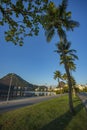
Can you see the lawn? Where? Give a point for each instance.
(49, 115)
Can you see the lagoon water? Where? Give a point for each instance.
(39, 93)
(30, 94)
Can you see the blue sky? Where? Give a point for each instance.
(36, 61)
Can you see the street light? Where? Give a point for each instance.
(9, 88)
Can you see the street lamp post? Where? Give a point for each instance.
(9, 89)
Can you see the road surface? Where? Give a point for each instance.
(15, 104)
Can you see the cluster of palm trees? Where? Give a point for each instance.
(63, 77)
(58, 20)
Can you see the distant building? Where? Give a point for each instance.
(81, 87)
(14, 91)
(56, 89)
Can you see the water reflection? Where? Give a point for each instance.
(39, 93)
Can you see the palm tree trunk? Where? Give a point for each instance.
(69, 84)
(70, 89)
(58, 81)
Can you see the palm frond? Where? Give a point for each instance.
(67, 45)
(63, 7)
(57, 74)
(57, 51)
(74, 56)
(49, 34)
(61, 62)
(71, 51)
(68, 14)
(62, 34)
(64, 4)
(70, 24)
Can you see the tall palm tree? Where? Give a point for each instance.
(67, 56)
(72, 67)
(58, 19)
(57, 75)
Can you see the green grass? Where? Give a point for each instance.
(48, 115)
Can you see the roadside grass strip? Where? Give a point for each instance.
(48, 115)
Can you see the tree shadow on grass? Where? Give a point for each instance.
(61, 122)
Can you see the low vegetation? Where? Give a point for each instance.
(48, 115)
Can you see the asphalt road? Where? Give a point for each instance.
(15, 104)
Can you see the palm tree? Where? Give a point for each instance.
(57, 19)
(67, 56)
(72, 67)
(57, 75)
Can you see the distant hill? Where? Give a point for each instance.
(18, 88)
(16, 81)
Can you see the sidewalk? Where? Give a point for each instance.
(83, 98)
(19, 100)
(27, 99)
